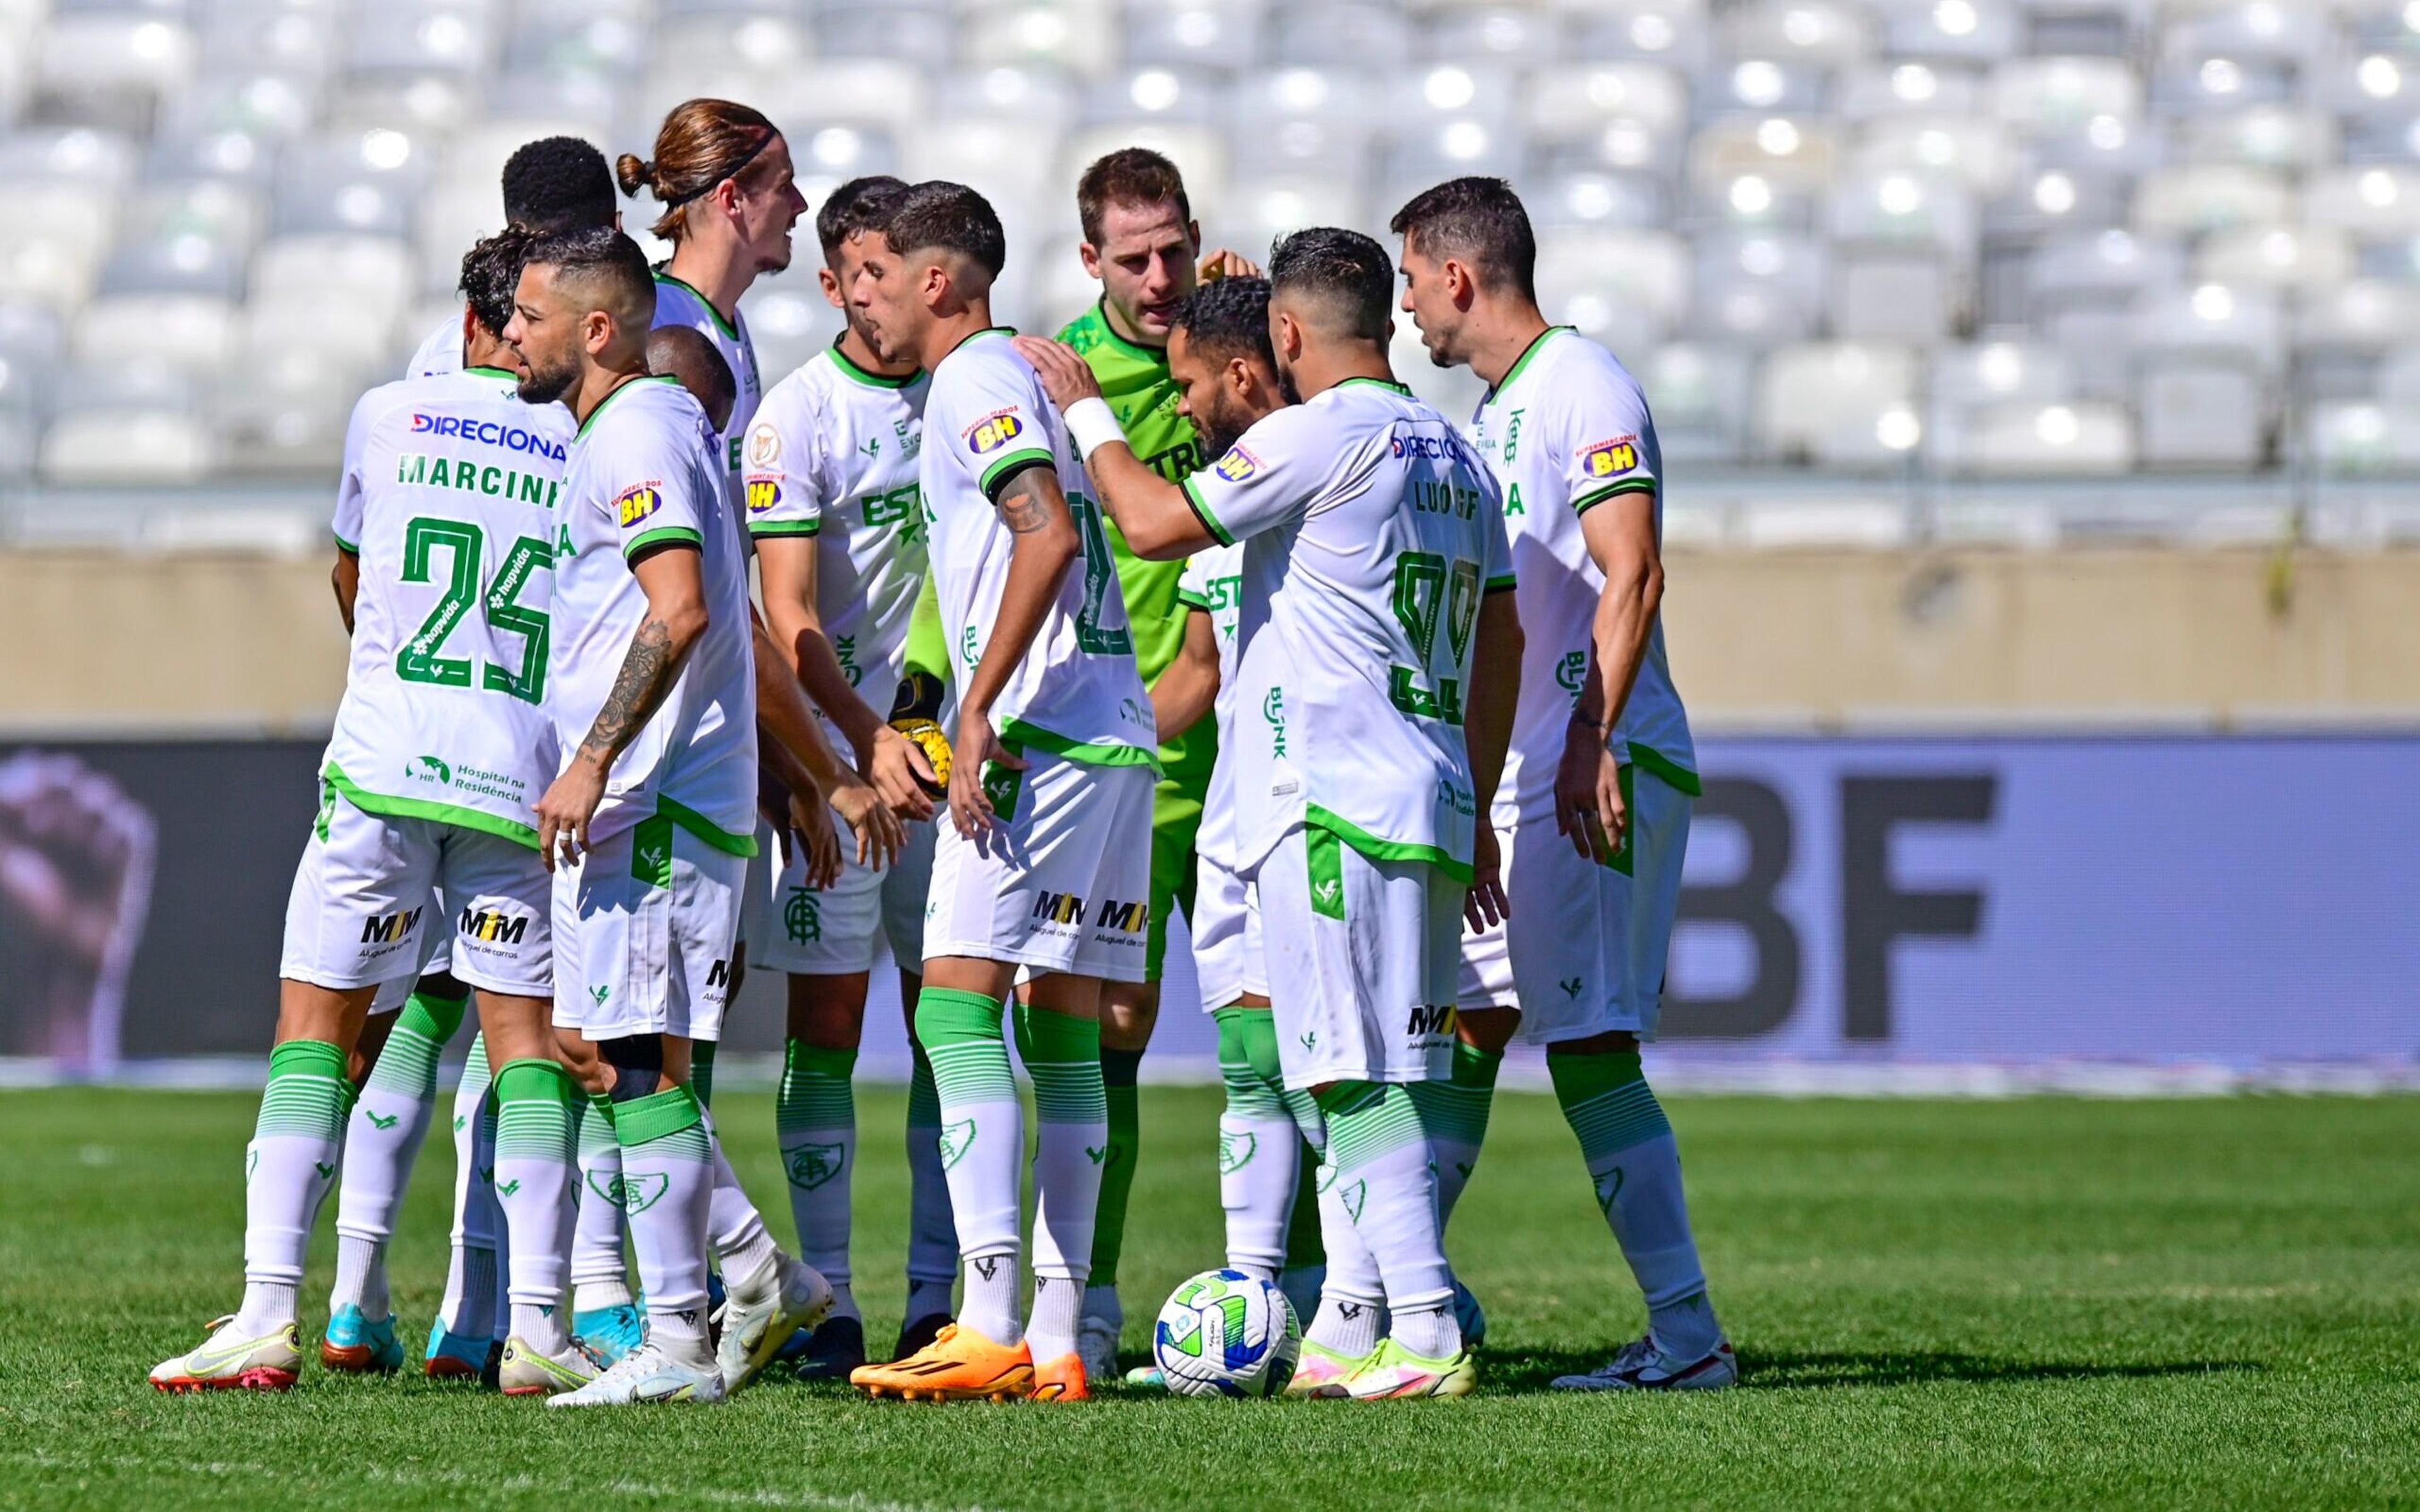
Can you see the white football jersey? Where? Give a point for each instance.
(1371, 533)
(678, 304)
(645, 472)
(1566, 430)
(448, 496)
(833, 454)
(1077, 692)
(1213, 583)
(440, 351)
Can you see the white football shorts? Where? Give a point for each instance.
(836, 931)
(1584, 951)
(1361, 955)
(1226, 936)
(644, 926)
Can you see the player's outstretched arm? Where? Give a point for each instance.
(793, 804)
(782, 711)
(1620, 535)
(1043, 546)
(1152, 514)
(673, 577)
(1487, 731)
(1189, 687)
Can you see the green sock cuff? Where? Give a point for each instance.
(946, 1017)
(923, 1094)
(601, 1103)
(802, 1059)
(1474, 1067)
(657, 1116)
(1049, 1036)
(1121, 1068)
(306, 1058)
(432, 1017)
(1577, 1078)
(534, 1079)
(1347, 1098)
(1257, 1029)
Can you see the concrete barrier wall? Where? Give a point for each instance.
(112, 643)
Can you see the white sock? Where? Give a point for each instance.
(749, 1258)
(600, 1274)
(1353, 1299)
(290, 1168)
(361, 1276)
(814, 1117)
(932, 1232)
(1058, 1307)
(668, 1169)
(1650, 1219)
(1388, 1190)
(1256, 1187)
(989, 1304)
(983, 1151)
(532, 1182)
(382, 1139)
(540, 1328)
(1102, 1303)
(466, 1309)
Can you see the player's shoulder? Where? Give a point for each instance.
(982, 369)
(1574, 374)
(803, 392)
(1086, 331)
(648, 416)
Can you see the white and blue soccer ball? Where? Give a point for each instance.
(1225, 1334)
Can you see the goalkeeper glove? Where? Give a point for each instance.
(916, 713)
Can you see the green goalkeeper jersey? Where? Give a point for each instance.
(1135, 381)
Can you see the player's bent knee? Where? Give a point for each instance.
(1488, 1029)
(1611, 1043)
(828, 1011)
(637, 1064)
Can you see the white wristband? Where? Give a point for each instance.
(1093, 424)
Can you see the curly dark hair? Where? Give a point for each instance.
(1229, 317)
(1344, 271)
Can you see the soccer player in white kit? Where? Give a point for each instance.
(837, 518)
(1380, 658)
(429, 793)
(650, 821)
(1045, 866)
(1593, 815)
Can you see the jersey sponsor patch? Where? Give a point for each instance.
(994, 431)
(764, 495)
(1237, 465)
(764, 446)
(1611, 459)
(637, 502)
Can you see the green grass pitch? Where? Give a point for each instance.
(2042, 1302)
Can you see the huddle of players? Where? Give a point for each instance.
(1303, 577)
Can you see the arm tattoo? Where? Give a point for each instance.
(1023, 506)
(639, 690)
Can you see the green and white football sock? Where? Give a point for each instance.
(668, 1188)
(1351, 1296)
(1120, 1073)
(1454, 1111)
(1071, 1150)
(289, 1169)
(468, 1309)
(1257, 1141)
(382, 1140)
(1380, 1150)
(744, 1249)
(815, 1116)
(1636, 1166)
(534, 1168)
(982, 1150)
(932, 1232)
(600, 1272)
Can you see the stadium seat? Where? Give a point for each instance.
(453, 37)
(1358, 34)
(2044, 96)
(1671, 32)
(1198, 37)
(1966, 381)
(2085, 438)
(1765, 287)
(1699, 394)
(159, 448)
(2268, 136)
(1076, 36)
(2363, 437)
(192, 332)
(1822, 33)
(2372, 202)
(1627, 286)
(1264, 206)
(1962, 30)
(1826, 402)
(1627, 115)
(2308, 259)
(1889, 86)
(909, 31)
(789, 324)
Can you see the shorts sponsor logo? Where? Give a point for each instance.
(718, 974)
(1058, 907)
(1126, 918)
(1237, 465)
(764, 495)
(1611, 459)
(994, 431)
(489, 433)
(494, 928)
(764, 446)
(802, 917)
(428, 769)
(811, 1166)
(386, 929)
(638, 502)
(1437, 1019)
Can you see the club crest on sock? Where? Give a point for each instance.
(956, 1139)
(811, 1166)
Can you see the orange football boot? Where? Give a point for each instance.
(959, 1366)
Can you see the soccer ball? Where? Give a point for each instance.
(1224, 1333)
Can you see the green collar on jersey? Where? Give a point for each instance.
(483, 370)
(726, 326)
(618, 390)
(1521, 361)
(1134, 349)
(971, 335)
(878, 380)
(1381, 384)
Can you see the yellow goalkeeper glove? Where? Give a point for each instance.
(916, 713)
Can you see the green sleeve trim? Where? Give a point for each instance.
(786, 527)
(1586, 500)
(704, 828)
(1018, 733)
(1004, 467)
(668, 535)
(444, 814)
(1499, 585)
(347, 547)
(1672, 772)
(1385, 850)
(1193, 600)
(1202, 512)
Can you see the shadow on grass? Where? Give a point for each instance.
(1534, 1370)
